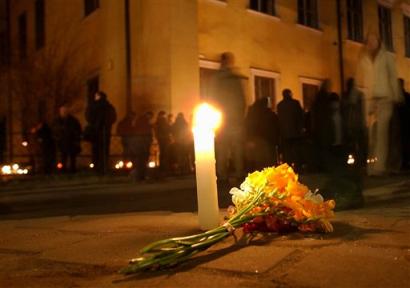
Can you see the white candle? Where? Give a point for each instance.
(206, 121)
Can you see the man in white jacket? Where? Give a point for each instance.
(377, 74)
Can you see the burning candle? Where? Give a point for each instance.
(206, 120)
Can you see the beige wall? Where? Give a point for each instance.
(279, 44)
(164, 55)
(168, 37)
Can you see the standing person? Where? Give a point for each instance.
(228, 96)
(321, 126)
(405, 126)
(336, 147)
(180, 133)
(2, 138)
(172, 149)
(162, 133)
(125, 131)
(376, 70)
(170, 119)
(44, 138)
(67, 133)
(101, 115)
(354, 122)
(141, 143)
(291, 123)
(262, 135)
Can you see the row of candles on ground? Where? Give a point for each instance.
(120, 165)
(128, 165)
(16, 169)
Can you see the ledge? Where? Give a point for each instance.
(264, 15)
(353, 42)
(217, 2)
(315, 30)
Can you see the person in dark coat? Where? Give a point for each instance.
(353, 116)
(262, 135)
(405, 126)
(141, 143)
(101, 115)
(125, 130)
(322, 125)
(67, 133)
(47, 148)
(291, 123)
(180, 134)
(163, 135)
(2, 138)
(227, 95)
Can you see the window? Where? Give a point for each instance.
(310, 87)
(93, 85)
(207, 70)
(22, 28)
(3, 48)
(307, 13)
(385, 27)
(90, 6)
(40, 23)
(263, 6)
(355, 20)
(309, 94)
(264, 84)
(406, 36)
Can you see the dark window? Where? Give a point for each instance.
(22, 28)
(406, 36)
(265, 87)
(3, 48)
(309, 95)
(385, 27)
(264, 6)
(355, 20)
(206, 75)
(93, 85)
(90, 6)
(40, 24)
(308, 13)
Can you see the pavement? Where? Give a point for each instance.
(48, 241)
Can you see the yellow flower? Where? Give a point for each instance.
(255, 180)
(297, 189)
(238, 197)
(281, 188)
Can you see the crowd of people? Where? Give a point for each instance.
(56, 145)
(173, 139)
(371, 124)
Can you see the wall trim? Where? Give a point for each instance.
(267, 74)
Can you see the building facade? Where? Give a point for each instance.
(160, 54)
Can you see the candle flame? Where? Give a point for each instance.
(206, 117)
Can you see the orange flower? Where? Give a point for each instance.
(296, 189)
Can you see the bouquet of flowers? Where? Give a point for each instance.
(271, 200)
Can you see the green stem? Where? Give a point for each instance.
(175, 250)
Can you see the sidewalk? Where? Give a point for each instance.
(369, 248)
(62, 186)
